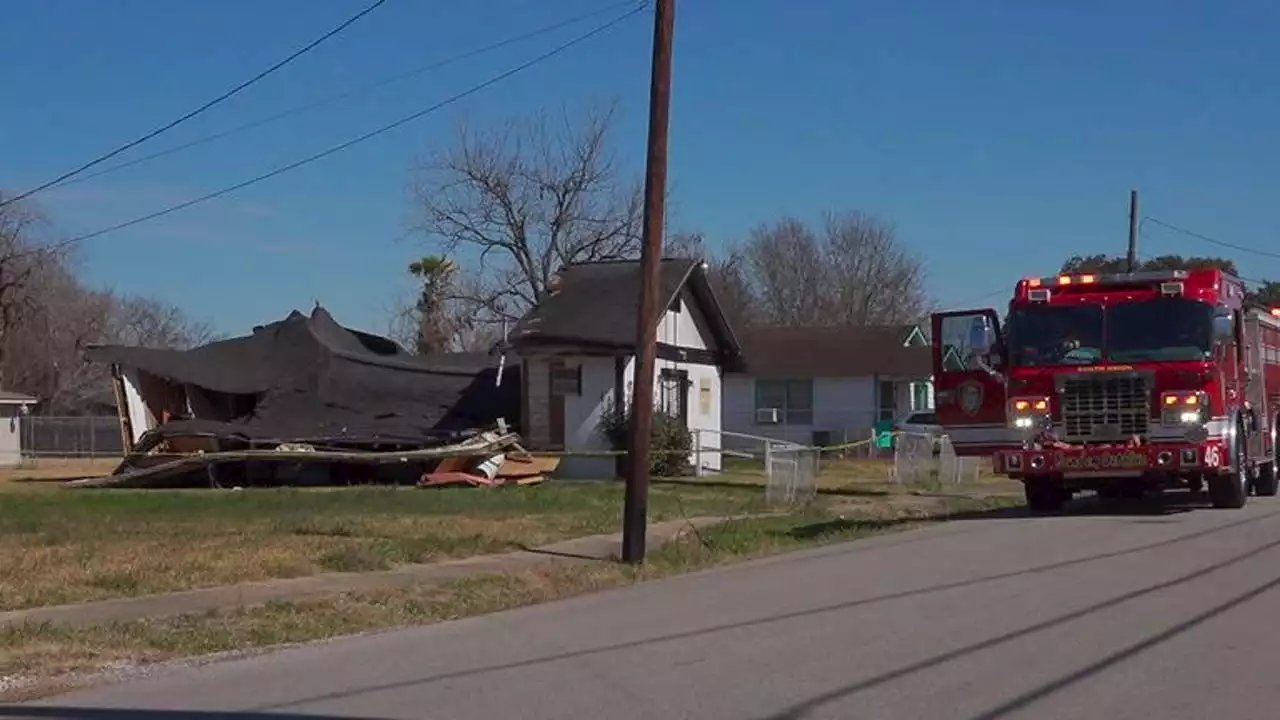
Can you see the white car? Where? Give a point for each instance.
(920, 422)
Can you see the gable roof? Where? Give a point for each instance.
(596, 304)
(812, 351)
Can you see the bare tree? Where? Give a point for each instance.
(44, 352)
(855, 272)
(726, 271)
(874, 279)
(786, 263)
(147, 322)
(516, 204)
(26, 249)
(48, 318)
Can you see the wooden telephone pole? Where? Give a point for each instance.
(635, 518)
(1132, 256)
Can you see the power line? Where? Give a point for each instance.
(1206, 238)
(352, 92)
(367, 136)
(224, 96)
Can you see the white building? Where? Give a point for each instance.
(577, 354)
(827, 385)
(13, 408)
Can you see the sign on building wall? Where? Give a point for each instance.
(704, 396)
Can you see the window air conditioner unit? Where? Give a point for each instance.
(767, 416)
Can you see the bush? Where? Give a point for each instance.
(669, 441)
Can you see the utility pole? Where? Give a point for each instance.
(635, 513)
(1133, 230)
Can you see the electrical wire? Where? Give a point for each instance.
(224, 96)
(362, 138)
(964, 305)
(353, 92)
(1206, 238)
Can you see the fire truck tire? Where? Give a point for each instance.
(1231, 490)
(1267, 483)
(1043, 497)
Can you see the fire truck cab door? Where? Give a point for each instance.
(969, 390)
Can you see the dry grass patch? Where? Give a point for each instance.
(78, 545)
(42, 652)
(866, 477)
(51, 471)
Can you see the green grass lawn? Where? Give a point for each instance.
(60, 545)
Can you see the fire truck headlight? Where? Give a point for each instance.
(1029, 413)
(1183, 408)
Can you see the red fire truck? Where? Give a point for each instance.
(1119, 384)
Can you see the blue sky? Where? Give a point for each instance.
(1000, 137)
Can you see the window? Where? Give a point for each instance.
(792, 399)
(1163, 329)
(673, 393)
(920, 395)
(1042, 335)
(888, 402)
(566, 380)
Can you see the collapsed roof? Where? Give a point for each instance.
(310, 380)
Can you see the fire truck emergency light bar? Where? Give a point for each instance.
(1170, 282)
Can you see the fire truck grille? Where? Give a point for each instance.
(1105, 409)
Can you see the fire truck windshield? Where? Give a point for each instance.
(1163, 329)
(1055, 335)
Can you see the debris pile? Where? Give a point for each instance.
(306, 401)
(487, 459)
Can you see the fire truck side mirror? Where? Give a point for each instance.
(1224, 329)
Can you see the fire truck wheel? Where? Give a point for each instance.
(1044, 497)
(1231, 490)
(1267, 482)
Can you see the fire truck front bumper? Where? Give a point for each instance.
(1209, 456)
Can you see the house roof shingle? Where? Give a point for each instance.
(597, 303)
(779, 351)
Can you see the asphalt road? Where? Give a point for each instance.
(1113, 616)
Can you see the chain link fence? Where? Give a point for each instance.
(929, 459)
(44, 436)
(793, 473)
(792, 476)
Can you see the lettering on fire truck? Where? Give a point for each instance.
(1110, 461)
